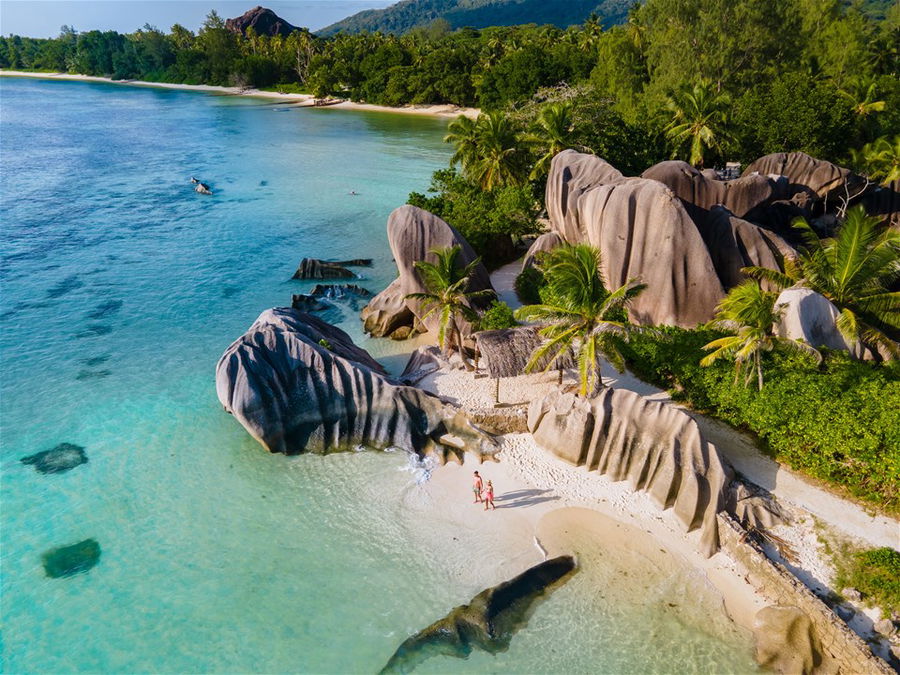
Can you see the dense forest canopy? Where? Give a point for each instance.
(409, 14)
(814, 75)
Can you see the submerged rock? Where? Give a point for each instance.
(64, 457)
(308, 303)
(657, 447)
(488, 622)
(298, 384)
(786, 641)
(67, 561)
(413, 233)
(340, 291)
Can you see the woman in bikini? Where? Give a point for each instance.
(489, 496)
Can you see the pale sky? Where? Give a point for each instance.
(43, 18)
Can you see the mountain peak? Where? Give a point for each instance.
(262, 20)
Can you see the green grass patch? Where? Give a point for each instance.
(876, 574)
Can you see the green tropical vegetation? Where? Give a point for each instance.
(750, 314)
(703, 82)
(497, 317)
(447, 295)
(699, 121)
(433, 15)
(880, 159)
(580, 315)
(838, 421)
(856, 270)
(876, 574)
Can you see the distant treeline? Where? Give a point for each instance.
(813, 75)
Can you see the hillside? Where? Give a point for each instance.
(408, 14)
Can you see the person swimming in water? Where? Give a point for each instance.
(476, 487)
(489, 496)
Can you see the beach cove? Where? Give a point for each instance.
(215, 556)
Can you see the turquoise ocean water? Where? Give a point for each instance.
(120, 289)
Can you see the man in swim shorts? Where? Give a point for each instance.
(476, 487)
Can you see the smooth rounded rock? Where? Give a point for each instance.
(810, 317)
(643, 232)
(413, 233)
(786, 641)
(298, 384)
(571, 175)
(655, 446)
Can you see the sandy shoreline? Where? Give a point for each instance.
(547, 491)
(298, 100)
(538, 492)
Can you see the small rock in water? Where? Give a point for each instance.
(63, 457)
(67, 561)
(308, 303)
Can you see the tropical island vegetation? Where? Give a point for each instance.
(672, 80)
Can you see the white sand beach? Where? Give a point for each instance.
(299, 100)
(540, 498)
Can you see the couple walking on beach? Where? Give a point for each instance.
(483, 494)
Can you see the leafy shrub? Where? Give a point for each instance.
(499, 315)
(528, 286)
(489, 221)
(839, 423)
(876, 573)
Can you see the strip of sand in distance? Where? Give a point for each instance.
(301, 100)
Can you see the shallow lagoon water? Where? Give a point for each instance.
(120, 289)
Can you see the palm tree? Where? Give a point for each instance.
(699, 120)
(863, 97)
(488, 149)
(581, 315)
(750, 313)
(500, 160)
(446, 292)
(463, 133)
(855, 271)
(590, 33)
(552, 134)
(880, 159)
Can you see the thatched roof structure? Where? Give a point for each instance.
(506, 352)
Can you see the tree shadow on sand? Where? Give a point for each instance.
(523, 498)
